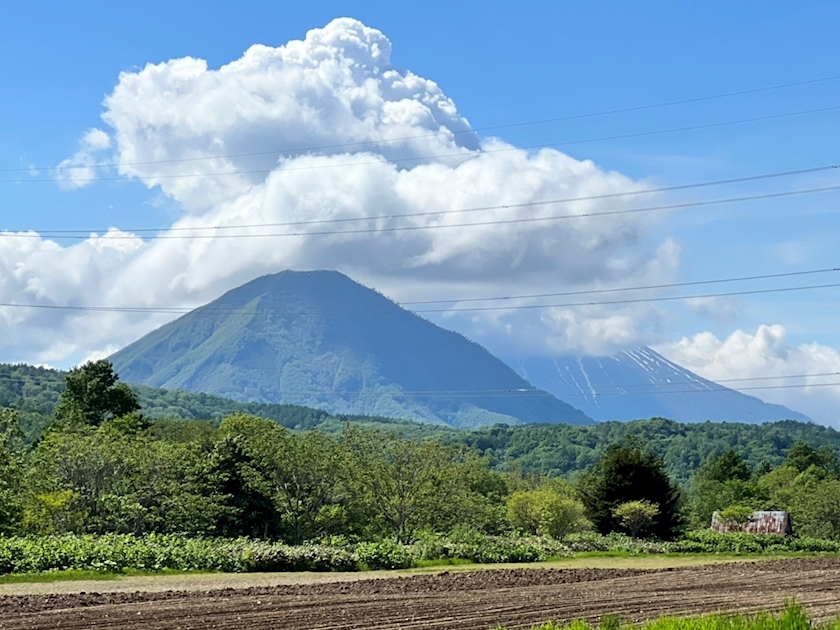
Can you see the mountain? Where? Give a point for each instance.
(321, 340)
(641, 383)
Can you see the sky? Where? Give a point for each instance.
(134, 139)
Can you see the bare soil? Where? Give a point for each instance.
(516, 598)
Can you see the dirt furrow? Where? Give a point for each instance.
(516, 598)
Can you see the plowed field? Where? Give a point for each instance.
(514, 598)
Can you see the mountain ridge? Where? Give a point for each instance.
(322, 340)
(640, 383)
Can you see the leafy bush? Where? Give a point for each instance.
(707, 541)
(32, 554)
(386, 554)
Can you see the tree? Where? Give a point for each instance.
(93, 394)
(546, 511)
(803, 456)
(11, 469)
(737, 515)
(727, 467)
(411, 484)
(627, 472)
(722, 480)
(636, 516)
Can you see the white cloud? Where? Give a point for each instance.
(766, 353)
(326, 129)
(80, 169)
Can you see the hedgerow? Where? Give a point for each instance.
(156, 552)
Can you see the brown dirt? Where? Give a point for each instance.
(515, 598)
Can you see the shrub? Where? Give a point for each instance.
(386, 554)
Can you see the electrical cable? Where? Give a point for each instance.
(414, 228)
(630, 193)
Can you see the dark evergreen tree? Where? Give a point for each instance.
(93, 394)
(727, 467)
(627, 472)
(802, 456)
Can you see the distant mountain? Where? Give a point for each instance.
(642, 383)
(321, 340)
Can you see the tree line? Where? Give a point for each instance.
(102, 466)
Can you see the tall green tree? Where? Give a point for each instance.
(93, 394)
(413, 484)
(628, 472)
(11, 470)
(722, 481)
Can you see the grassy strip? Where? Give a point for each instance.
(793, 617)
(76, 575)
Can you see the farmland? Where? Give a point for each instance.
(514, 598)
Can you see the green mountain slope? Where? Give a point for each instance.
(322, 340)
(547, 449)
(34, 392)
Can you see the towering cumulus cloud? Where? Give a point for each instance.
(321, 154)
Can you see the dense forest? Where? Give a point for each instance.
(103, 466)
(554, 450)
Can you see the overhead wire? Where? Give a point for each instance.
(393, 307)
(663, 388)
(526, 204)
(437, 226)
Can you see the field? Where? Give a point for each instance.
(515, 598)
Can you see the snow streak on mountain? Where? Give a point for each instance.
(641, 383)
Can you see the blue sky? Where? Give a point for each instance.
(544, 60)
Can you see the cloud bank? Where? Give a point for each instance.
(326, 130)
(766, 356)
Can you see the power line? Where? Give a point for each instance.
(526, 204)
(440, 226)
(445, 133)
(661, 388)
(467, 154)
(671, 285)
(393, 308)
(666, 298)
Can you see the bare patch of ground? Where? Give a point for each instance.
(517, 598)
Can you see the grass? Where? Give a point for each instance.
(75, 575)
(792, 618)
(603, 560)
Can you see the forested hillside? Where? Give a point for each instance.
(549, 449)
(34, 392)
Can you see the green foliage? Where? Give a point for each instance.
(551, 450)
(793, 617)
(803, 456)
(636, 516)
(625, 473)
(737, 514)
(93, 394)
(546, 511)
(707, 541)
(412, 484)
(11, 470)
(722, 481)
(386, 554)
(120, 552)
